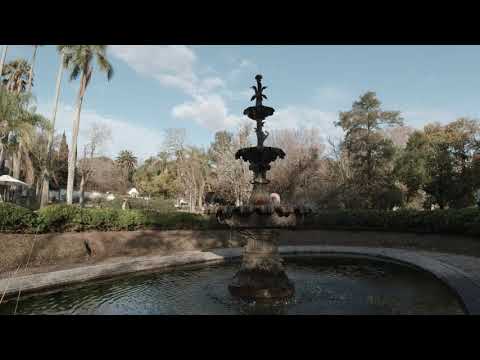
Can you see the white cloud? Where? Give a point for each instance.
(172, 65)
(158, 59)
(297, 117)
(144, 142)
(175, 66)
(243, 67)
(209, 111)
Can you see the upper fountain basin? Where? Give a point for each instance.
(258, 112)
(255, 154)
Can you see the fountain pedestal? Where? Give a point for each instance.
(262, 275)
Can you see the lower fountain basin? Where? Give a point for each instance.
(323, 285)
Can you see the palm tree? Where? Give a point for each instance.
(78, 59)
(127, 162)
(30, 75)
(16, 74)
(17, 131)
(46, 173)
(2, 59)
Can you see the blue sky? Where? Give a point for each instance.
(205, 88)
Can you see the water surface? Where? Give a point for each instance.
(322, 286)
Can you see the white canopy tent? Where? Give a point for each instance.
(7, 181)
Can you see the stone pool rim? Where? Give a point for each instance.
(462, 285)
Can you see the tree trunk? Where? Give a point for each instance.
(2, 60)
(72, 156)
(46, 172)
(30, 75)
(200, 196)
(38, 187)
(2, 159)
(16, 159)
(82, 191)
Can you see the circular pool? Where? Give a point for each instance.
(323, 285)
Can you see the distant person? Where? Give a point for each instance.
(275, 198)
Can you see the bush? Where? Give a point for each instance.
(154, 204)
(462, 221)
(179, 220)
(15, 218)
(56, 218)
(71, 217)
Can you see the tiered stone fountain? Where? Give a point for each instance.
(262, 275)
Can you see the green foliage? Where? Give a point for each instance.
(61, 164)
(127, 162)
(57, 217)
(441, 160)
(156, 204)
(180, 220)
(157, 176)
(64, 218)
(61, 218)
(14, 218)
(464, 221)
(371, 154)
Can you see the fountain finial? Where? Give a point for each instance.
(259, 96)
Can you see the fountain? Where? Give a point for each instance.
(349, 281)
(262, 276)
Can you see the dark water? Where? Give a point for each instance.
(323, 286)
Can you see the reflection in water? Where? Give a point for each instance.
(322, 286)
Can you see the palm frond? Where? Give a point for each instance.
(74, 72)
(105, 65)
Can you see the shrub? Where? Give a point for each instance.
(462, 221)
(15, 218)
(154, 204)
(177, 220)
(131, 220)
(57, 217)
(73, 218)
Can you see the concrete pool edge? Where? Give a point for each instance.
(463, 284)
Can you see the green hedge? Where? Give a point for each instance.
(59, 218)
(453, 221)
(16, 218)
(156, 204)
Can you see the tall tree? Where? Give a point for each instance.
(18, 121)
(2, 60)
(294, 176)
(127, 162)
(411, 165)
(16, 74)
(61, 163)
(46, 174)
(230, 179)
(32, 65)
(370, 152)
(98, 136)
(78, 59)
